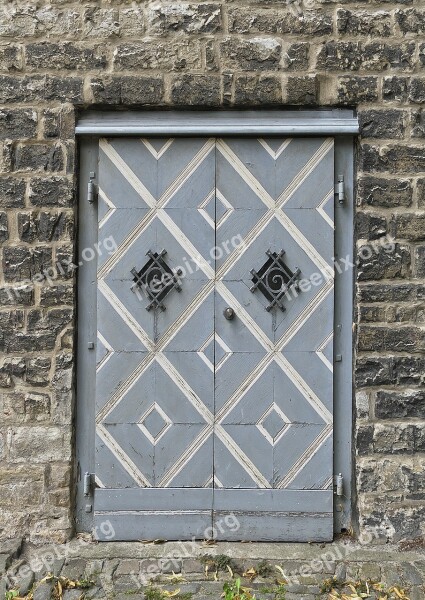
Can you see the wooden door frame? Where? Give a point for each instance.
(340, 123)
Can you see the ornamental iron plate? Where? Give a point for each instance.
(274, 279)
(156, 279)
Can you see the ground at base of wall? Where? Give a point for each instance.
(196, 570)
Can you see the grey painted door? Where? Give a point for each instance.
(214, 384)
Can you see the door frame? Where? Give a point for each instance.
(339, 123)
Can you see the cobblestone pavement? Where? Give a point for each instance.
(197, 570)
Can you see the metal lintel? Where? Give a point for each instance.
(219, 123)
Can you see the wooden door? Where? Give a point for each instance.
(214, 384)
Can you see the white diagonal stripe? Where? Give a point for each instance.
(306, 456)
(279, 151)
(122, 457)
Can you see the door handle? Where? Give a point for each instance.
(229, 313)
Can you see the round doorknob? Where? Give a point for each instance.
(229, 313)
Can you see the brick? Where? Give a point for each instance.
(58, 123)
(44, 226)
(355, 90)
(64, 56)
(4, 228)
(40, 444)
(11, 58)
(385, 193)
(164, 55)
(196, 90)
(37, 371)
(395, 88)
(370, 226)
(21, 263)
(254, 54)
(40, 88)
(364, 23)
(188, 18)
(39, 157)
(51, 191)
(142, 90)
(409, 226)
(374, 371)
(418, 123)
(375, 56)
(376, 262)
(400, 405)
(395, 339)
(417, 90)
(309, 23)
(101, 23)
(131, 21)
(12, 192)
(18, 124)
(296, 57)
(53, 295)
(420, 190)
(301, 90)
(411, 20)
(262, 90)
(392, 159)
(391, 292)
(389, 123)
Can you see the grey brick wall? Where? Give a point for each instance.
(59, 56)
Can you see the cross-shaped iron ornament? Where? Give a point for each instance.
(274, 279)
(156, 279)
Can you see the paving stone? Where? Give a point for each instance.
(74, 568)
(43, 591)
(25, 583)
(411, 574)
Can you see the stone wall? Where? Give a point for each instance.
(59, 56)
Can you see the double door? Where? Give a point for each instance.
(214, 377)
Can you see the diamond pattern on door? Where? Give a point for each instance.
(190, 400)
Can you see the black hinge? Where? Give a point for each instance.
(92, 188)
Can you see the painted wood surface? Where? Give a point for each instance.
(199, 413)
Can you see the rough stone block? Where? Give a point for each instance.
(254, 54)
(408, 226)
(258, 90)
(309, 23)
(392, 159)
(364, 23)
(411, 20)
(385, 193)
(12, 192)
(301, 90)
(21, 263)
(383, 123)
(400, 404)
(18, 124)
(39, 157)
(395, 88)
(51, 191)
(355, 90)
(64, 56)
(196, 90)
(163, 55)
(376, 262)
(188, 18)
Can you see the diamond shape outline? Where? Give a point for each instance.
(218, 196)
(214, 337)
(259, 424)
(168, 423)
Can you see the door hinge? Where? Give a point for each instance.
(339, 485)
(92, 188)
(340, 189)
(88, 484)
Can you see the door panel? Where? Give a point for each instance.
(198, 415)
(154, 391)
(274, 409)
